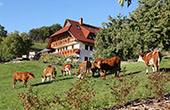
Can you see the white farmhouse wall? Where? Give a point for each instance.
(77, 46)
(69, 47)
(85, 53)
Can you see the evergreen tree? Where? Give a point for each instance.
(3, 33)
(150, 23)
(122, 2)
(114, 39)
(44, 32)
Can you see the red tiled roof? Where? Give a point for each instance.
(80, 34)
(64, 29)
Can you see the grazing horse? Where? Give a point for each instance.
(153, 59)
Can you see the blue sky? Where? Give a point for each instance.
(24, 15)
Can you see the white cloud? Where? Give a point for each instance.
(0, 3)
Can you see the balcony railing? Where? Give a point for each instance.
(69, 52)
(61, 42)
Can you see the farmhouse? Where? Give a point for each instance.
(75, 38)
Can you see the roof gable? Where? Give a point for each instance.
(79, 30)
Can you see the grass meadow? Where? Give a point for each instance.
(38, 46)
(9, 99)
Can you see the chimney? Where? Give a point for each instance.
(81, 21)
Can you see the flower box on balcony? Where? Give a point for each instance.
(64, 40)
(67, 39)
(71, 39)
(77, 51)
(56, 43)
(59, 42)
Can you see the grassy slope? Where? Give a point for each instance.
(38, 46)
(9, 98)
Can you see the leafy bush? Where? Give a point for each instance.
(14, 45)
(78, 97)
(53, 59)
(157, 84)
(123, 87)
(32, 101)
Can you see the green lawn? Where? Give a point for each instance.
(10, 100)
(38, 46)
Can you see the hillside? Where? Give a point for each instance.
(38, 47)
(103, 99)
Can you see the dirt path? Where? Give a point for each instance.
(145, 104)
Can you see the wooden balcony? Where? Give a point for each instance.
(69, 52)
(62, 42)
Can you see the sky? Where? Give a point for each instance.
(24, 15)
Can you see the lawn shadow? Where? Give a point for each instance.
(49, 82)
(43, 83)
(167, 57)
(96, 76)
(164, 69)
(110, 72)
(64, 79)
(137, 72)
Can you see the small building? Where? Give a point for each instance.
(75, 38)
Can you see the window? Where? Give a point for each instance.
(94, 37)
(78, 27)
(85, 58)
(86, 47)
(67, 24)
(91, 48)
(90, 37)
(72, 46)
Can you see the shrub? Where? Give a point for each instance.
(53, 59)
(157, 84)
(122, 88)
(78, 97)
(31, 100)
(60, 60)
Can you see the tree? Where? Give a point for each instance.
(44, 32)
(54, 28)
(33, 33)
(3, 33)
(147, 29)
(114, 39)
(27, 42)
(150, 23)
(14, 46)
(121, 2)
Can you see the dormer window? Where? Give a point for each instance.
(67, 24)
(90, 37)
(94, 37)
(78, 27)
